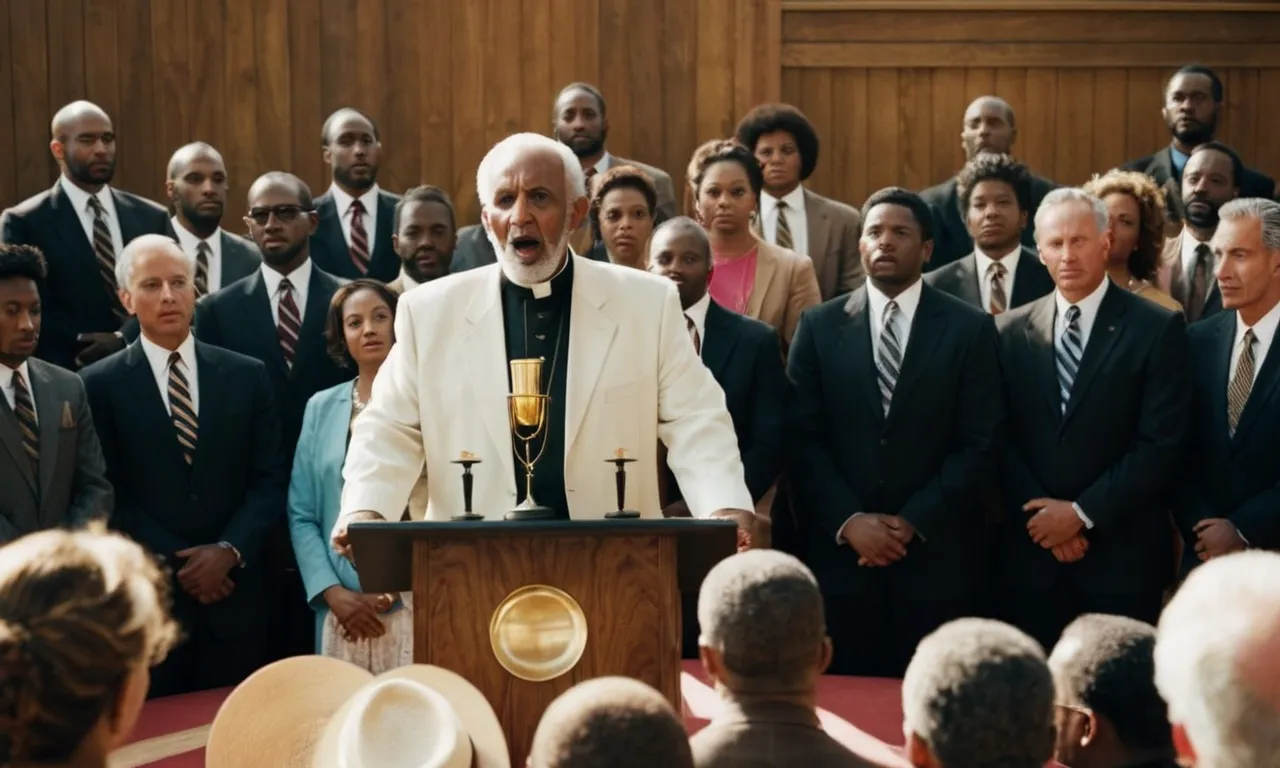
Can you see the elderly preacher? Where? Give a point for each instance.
(619, 366)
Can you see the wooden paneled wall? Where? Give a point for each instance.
(885, 82)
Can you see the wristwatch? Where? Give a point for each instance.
(234, 551)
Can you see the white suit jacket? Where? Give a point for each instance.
(633, 379)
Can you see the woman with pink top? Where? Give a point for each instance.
(749, 276)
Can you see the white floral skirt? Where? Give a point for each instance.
(393, 649)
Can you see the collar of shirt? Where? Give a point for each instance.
(189, 242)
(697, 312)
(407, 281)
(80, 199)
(907, 301)
(342, 201)
(1179, 160)
(1264, 331)
(603, 164)
(299, 278)
(1009, 260)
(1189, 245)
(794, 200)
(158, 359)
(1088, 311)
(6, 376)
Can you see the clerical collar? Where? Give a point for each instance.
(558, 286)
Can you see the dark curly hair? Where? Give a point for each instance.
(335, 342)
(724, 151)
(768, 118)
(907, 199)
(79, 613)
(988, 166)
(1144, 262)
(622, 177)
(23, 261)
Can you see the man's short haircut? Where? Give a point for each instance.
(979, 693)
(988, 166)
(1010, 117)
(768, 118)
(1267, 212)
(1073, 196)
(505, 152)
(588, 88)
(1218, 660)
(288, 179)
(1215, 82)
(340, 114)
(613, 721)
(1237, 165)
(23, 261)
(920, 210)
(129, 254)
(186, 153)
(683, 225)
(763, 612)
(1107, 664)
(424, 193)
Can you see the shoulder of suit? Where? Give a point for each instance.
(330, 281)
(961, 310)
(104, 369)
(324, 397)
(836, 206)
(150, 205)
(1140, 164)
(946, 271)
(938, 193)
(1019, 315)
(227, 359)
(621, 278)
(42, 199)
(782, 254)
(652, 170)
(1209, 326)
(53, 372)
(438, 293)
(1143, 308)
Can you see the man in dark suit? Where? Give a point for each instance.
(81, 225)
(192, 443)
(1096, 379)
(1001, 273)
(277, 315)
(473, 249)
(1232, 474)
(1192, 103)
(51, 468)
(989, 126)
(425, 235)
(353, 234)
(894, 418)
(197, 190)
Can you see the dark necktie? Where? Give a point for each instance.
(890, 363)
(24, 408)
(288, 322)
(1241, 383)
(202, 268)
(359, 238)
(104, 250)
(1199, 283)
(1069, 349)
(783, 238)
(999, 301)
(693, 334)
(182, 409)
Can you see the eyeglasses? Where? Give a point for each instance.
(283, 213)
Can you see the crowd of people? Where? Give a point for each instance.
(1043, 406)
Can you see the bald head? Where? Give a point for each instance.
(187, 153)
(613, 721)
(66, 120)
(277, 181)
(989, 126)
(84, 144)
(143, 248)
(684, 228)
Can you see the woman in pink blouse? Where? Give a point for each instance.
(749, 276)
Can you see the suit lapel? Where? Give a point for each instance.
(49, 406)
(148, 404)
(209, 418)
(11, 436)
(956, 225)
(591, 333)
(766, 266)
(127, 212)
(382, 252)
(483, 351)
(1102, 339)
(819, 232)
(1032, 281)
(922, 339)
(1220, 374)
(1039, 331)
(718, 340)
(856, 341)
(1263, 386)
(329, 232)
(257, 302)
(967, 288)
(311, 334)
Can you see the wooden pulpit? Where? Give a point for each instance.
(524, 610)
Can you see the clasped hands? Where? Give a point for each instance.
(357, 613)
(1055, 526)
(879, 540)
(1215, 537)
(204, 576)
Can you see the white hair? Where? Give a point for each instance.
(1069, 195)
(124, 262)
(1267, 212)
(500, 157)
(1217, 660)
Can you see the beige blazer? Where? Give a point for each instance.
(785, 286)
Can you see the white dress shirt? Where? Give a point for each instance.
(907, 301)
(1010, 261)
(603, 164)
(1088, 307)
(299, 278)
(1263, 331)
(158, 359)
(697, 312)
(1189, 245)
(407, 281)
(6, 385)
(191, 245)
(343, 203)
(80, 201)
(797, 218)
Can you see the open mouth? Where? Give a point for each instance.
(526, 247)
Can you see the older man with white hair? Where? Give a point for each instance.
(1218, 663)
(618, 365)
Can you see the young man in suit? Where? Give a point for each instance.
(81, 225)
(1096, 379)
(792, 216)
(894, 418)
(353, 233)
(197, 190)
(192, 442)
(989, 126)
(1001, 273)
(425, 236)
(1193, 100)
(1231, 497)
(51, 467)
(277, 316)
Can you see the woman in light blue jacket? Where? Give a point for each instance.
(373, 631)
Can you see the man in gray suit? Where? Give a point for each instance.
(51, 466)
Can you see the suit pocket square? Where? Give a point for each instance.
(68, 420)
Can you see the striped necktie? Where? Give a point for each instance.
(693, 334)
(999, 301)
(202, 268)
(359, 238)
(1241, 382)
(104, 251)
(182, 409)
(783, 238)
(1067, 353)
(890, 363)
(25, 410)
(288, 322)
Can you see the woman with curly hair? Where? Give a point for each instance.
(1136, 224)
(623, 213)
(83, 617)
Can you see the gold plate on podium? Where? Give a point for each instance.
(538, 633)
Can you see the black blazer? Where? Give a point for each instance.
(239, 318)
(329, 248)
(76, 299)
(473, 249)
(1159, 166)
(234, 491)
(1114, 450)
(745, 357)
(240, 256)
(1233, 477)
(960, 279)
(927, 461)
(951, 238)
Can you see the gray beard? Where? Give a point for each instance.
(528, 275)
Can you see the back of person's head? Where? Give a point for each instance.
(1104, 671)
(1217, 662)
(610, 721)
(763, 630)
(978, 694)
(83, 615)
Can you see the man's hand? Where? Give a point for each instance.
(876, 538)
(339, 539)
(357, 613)
(677, 509)
(1054, 521)
(746, 525)
(204, 576)
(1216, 537)
(1071, 551)
(98, 346)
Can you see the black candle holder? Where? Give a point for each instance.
(468, 481)
(621, 463)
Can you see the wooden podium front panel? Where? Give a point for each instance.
(626, 586)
